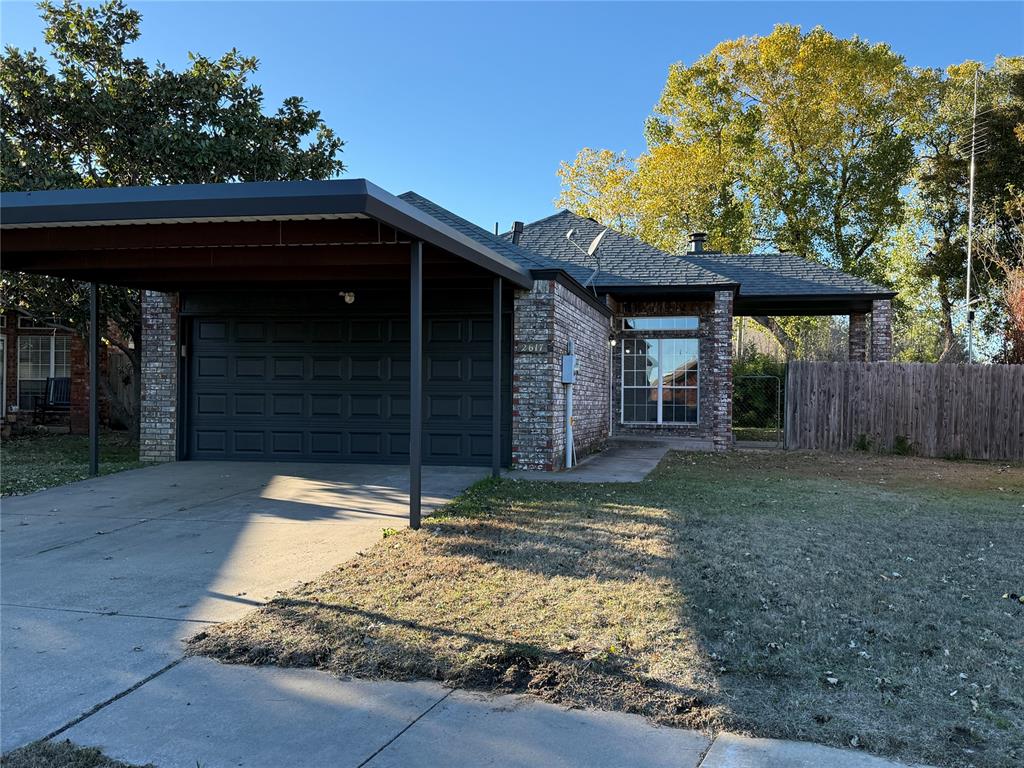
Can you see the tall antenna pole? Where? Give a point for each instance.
(970, 224)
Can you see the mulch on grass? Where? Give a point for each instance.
(854, 600)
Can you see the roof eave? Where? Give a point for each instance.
(205, 202)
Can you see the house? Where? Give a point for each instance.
(33, 353)
(334, 321)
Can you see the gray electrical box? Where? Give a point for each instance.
(568, 369)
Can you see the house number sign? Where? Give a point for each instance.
(532, 347)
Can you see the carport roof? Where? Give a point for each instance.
(256, 201)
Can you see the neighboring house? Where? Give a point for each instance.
(35, 352)
(277, 321)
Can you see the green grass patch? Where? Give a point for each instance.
(33, 462)
(853, 600)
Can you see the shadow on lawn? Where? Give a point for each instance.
(723, 592)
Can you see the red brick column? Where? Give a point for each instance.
(858, 337)
(79, 386)
(79, 417)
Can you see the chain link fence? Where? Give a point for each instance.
(757, 409)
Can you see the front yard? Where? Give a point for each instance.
(854, 600)
(32, 462)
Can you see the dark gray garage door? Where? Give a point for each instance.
(337, 390)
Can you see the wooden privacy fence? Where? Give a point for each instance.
(956, 411)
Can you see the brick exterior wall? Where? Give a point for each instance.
(714, 355)
(546, 317)
(77, 419)
(881, 331)
(858, 337)
(721, 373)
(159, 422)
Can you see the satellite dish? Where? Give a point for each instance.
(597, 241)
(569, 234)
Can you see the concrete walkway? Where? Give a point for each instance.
(624, 460)
(102, 580)
(206, 713)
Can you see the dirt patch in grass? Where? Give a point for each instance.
(31, 463)
(63, 754)
(851, 600)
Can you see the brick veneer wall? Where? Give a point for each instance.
(159, 422)
(858, 337)
(714, 354)
(546, 317)
(721, 375)
(79, 355)
(78, 417)
(881, 331)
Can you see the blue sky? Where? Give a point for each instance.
(475, 104)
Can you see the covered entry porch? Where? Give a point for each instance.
(326, 321)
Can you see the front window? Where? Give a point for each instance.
(676, 323)
(40, 358)
(659, 381)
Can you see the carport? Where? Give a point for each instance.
(317, 287)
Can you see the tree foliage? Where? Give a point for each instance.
(942, 180)
(95, 116)
(836, 150)
(795, 141)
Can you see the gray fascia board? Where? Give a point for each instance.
(408, 218)
(218, 201)
(185, 201)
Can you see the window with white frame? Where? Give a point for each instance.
(40, 358)
(30, 322)
(659, 381)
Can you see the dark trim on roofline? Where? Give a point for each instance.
(204, 202)
(808, 304)
(562, 277)
(668, 291)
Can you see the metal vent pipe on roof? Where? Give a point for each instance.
(697, 242)
(517, 232)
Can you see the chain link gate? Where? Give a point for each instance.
(757, 410)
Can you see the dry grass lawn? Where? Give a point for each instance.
(62, 754)
(852, 600)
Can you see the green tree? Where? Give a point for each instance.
(942, 180)
(98, 117)
(797, 141)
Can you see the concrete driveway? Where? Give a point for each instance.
(102, 580)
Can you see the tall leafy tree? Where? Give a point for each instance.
(797, 141)
(942, 181)
(95, 116)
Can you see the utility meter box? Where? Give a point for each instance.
(568, 369)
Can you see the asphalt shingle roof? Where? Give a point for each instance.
(502, 246)
(783, 274)
(627, 261)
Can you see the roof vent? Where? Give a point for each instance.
(517, 232)
(697, 242)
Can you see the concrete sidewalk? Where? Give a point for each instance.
(203, 712)
(101, 580)
(624, 460)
